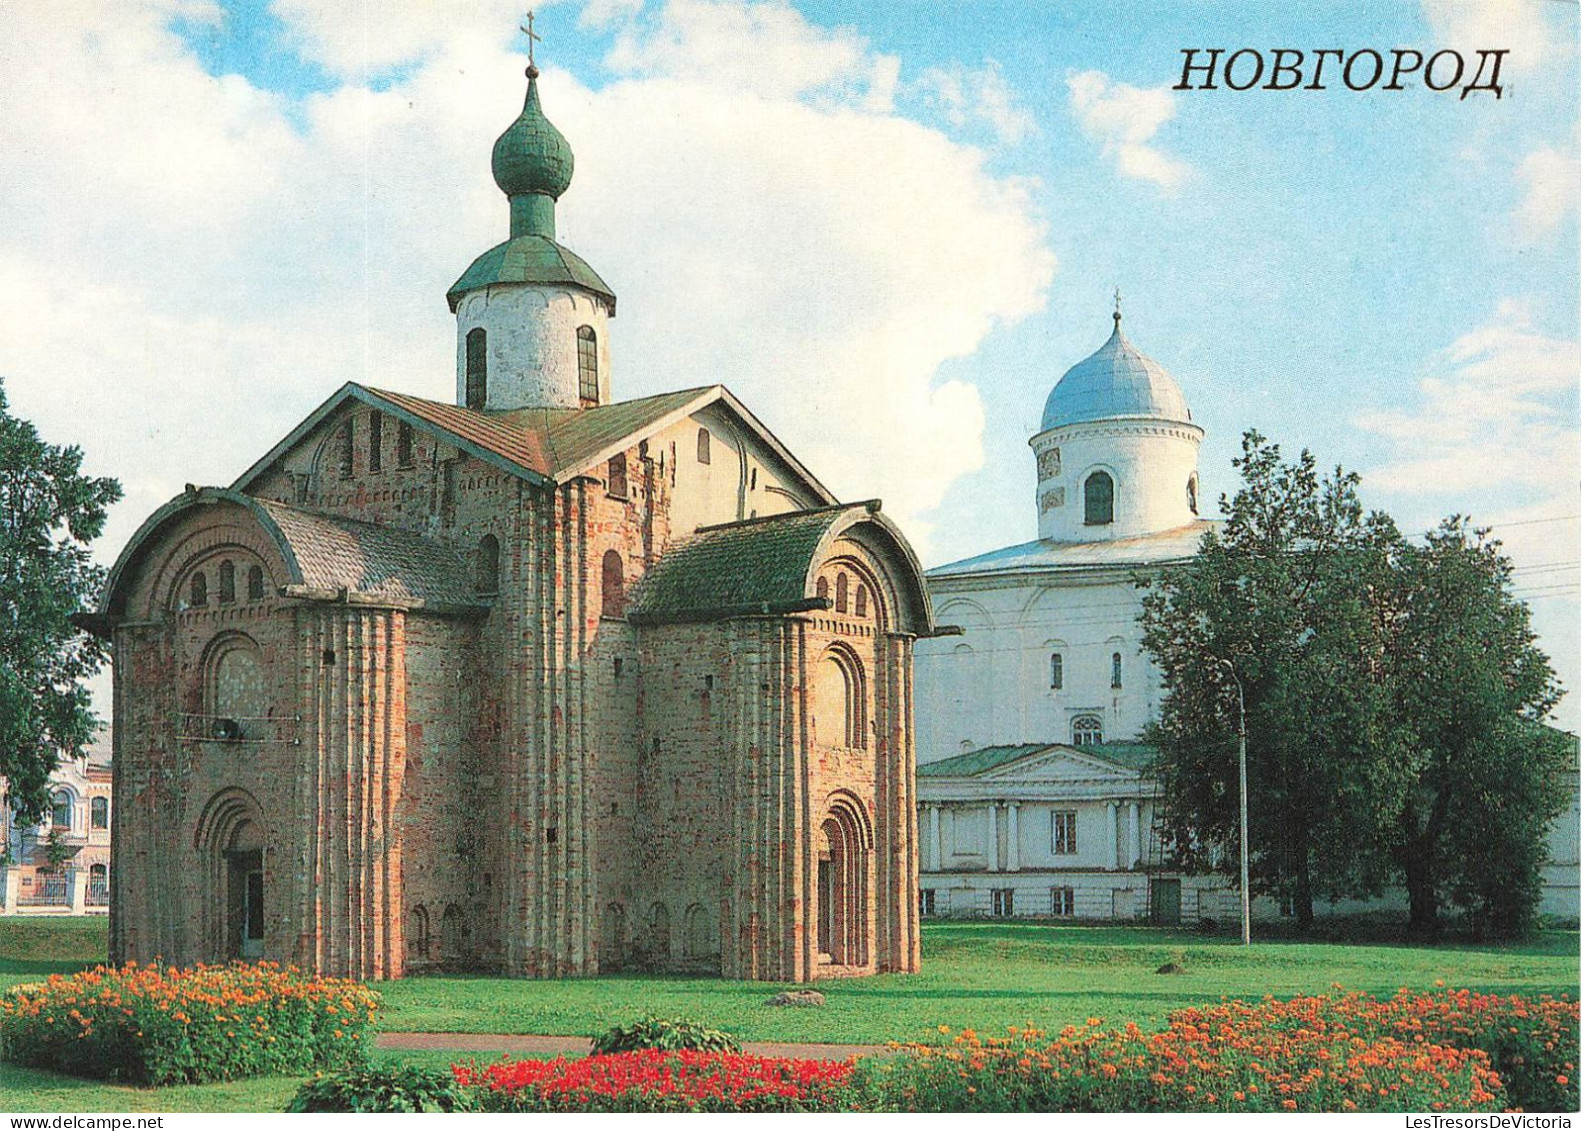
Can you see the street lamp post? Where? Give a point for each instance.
(1246, 891)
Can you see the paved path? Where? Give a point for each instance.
(530, 1045)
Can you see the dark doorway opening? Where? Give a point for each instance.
(1164, 903)
(245, 900)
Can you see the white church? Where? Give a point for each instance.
(1033, 797)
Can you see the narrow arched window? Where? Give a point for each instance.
(587, 363)
(614, 585)
(1086, 730)
(823, 589)
(1099, 499)
(60, 810)
(375, 441)
(704, 454)
(403, 445)
(198, 591)
(1191, 494)
(417, 932)
(227, 583)
(489, 564)
(255, 584)
(617, 475)
(861, 600)
(1056, 671)
(477, 368)
(841, 594)
(99, 813)
(1116, 664)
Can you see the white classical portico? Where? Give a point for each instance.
(1052, 830)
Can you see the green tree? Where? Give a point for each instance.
(49, 514)
(1286, 598)
(1488, 777)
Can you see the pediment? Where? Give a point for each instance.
(1060, 764)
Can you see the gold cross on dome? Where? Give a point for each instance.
(532, 37)
(1117, 306)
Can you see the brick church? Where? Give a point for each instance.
(538, 683)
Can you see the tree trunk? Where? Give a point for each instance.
(1423, 893)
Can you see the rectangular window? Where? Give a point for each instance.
(927, 902)
(100, 812)
(403, 445)
(1062, 901)
(375, 441)
(1065, 833)
(1004, 902)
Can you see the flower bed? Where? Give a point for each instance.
(1351, 1053)
(1532, 1043)
(662, 1080)
(161, 1025)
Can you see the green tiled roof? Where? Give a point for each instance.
(977, 761)
(1129, 755)
(762, 563)
(529, 259)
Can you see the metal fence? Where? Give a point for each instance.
(47, 890)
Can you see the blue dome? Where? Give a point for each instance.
(1117, 381)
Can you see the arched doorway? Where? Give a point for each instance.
(232, 846)
(844, 877)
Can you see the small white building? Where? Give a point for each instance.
(61, 866)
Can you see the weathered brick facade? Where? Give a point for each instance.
(533, 683)
(404, 748)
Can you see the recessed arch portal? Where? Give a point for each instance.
(845, 876)
(232, 842)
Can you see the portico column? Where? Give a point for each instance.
(1114, 836)
(993, 836)
(1136, 833)
(929, 849)
(1013, 834)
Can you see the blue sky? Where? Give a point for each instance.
(889, 228)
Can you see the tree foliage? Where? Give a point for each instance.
(1282, 598)
(1488, 777)
(49, 514)
(1393, 698)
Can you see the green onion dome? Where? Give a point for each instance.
(531, 156)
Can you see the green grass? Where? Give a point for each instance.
(983, 975)
(987, 975)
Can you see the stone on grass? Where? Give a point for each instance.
(1170, 968)
(796, 997)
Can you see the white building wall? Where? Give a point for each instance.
(740, 480)
(990, 685)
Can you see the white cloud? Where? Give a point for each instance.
(768, 49)
(1124, 119)
(1525, 28)
(192, 263)
(980, 97)
(1499, 411)
(1548, 179)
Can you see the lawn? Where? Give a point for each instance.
(983, 975)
